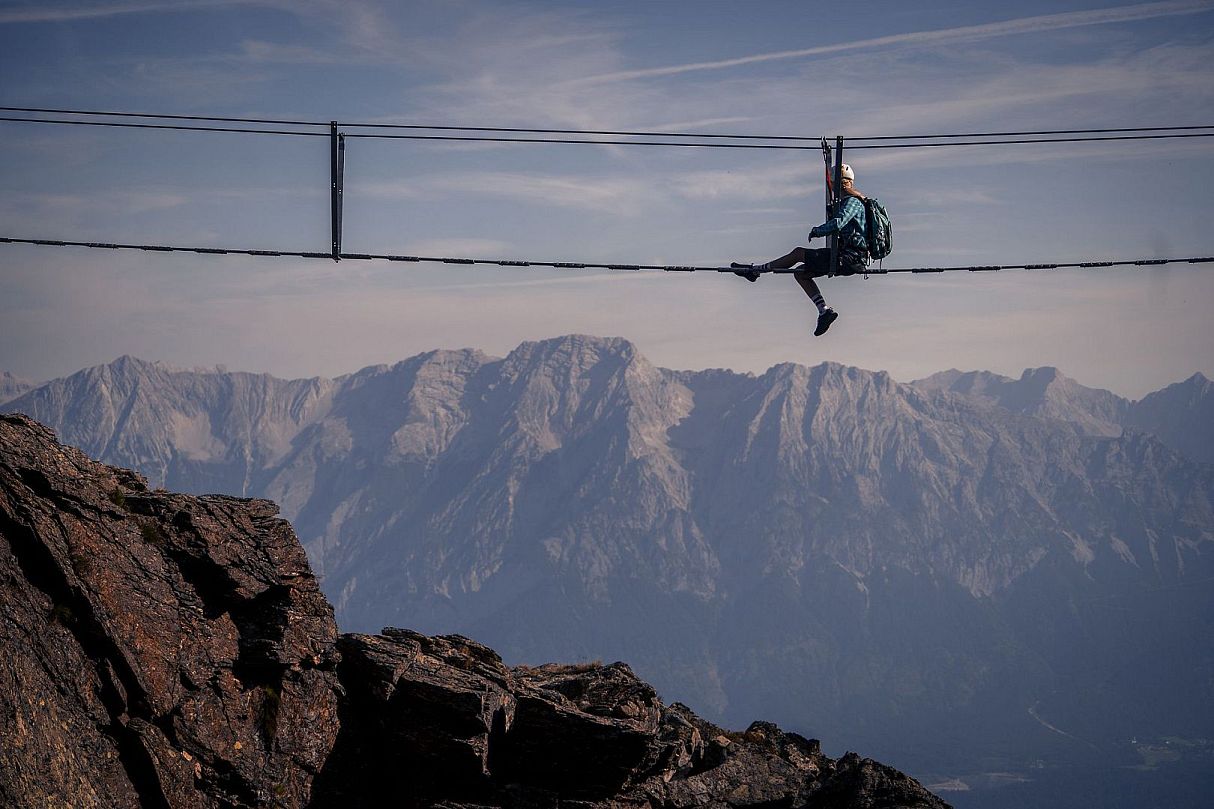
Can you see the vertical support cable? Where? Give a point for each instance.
(838, 186)
(336, 159)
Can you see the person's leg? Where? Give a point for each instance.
(751, 271)
(811, 289)
(817, 264)
(791, 259)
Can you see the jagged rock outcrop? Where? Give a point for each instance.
(159, 649)
(460, 724)
(162, 650)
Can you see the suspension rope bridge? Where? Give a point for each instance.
(337, 133)
(587, 265)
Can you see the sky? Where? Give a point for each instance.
(763, 67)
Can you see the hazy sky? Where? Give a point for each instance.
(776, 68)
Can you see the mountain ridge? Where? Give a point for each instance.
(127, 403)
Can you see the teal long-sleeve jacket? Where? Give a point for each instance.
(848, 222)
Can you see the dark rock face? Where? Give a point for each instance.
(161, 650)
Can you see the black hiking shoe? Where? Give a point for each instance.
(824, 321)
(746, 271)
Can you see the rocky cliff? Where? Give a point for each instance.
(163, 650)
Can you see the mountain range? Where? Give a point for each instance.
(970, 576)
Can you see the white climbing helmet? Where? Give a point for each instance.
(848, 174)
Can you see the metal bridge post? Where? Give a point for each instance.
(337, 170)
(838, 186)
(826, 175)
(341, 185)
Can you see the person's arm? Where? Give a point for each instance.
(850, 208)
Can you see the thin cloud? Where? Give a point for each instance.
(607, 195)
(33, 210)
(365, 26)
(1159, 83)
(459, 247)
(782, 180)
(968, 33)
(366, 31)
(60, 13)
(547, 278)
(760, 211)
(702, 123)
(1152, 76)
(923, 160)
(385, 189)
(257, 51)
(956, 196)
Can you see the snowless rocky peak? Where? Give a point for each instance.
(12, 386)
(1042, 392)
(1182, 415)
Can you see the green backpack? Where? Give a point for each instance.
(877, 230)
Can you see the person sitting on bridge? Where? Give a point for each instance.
(848, 222)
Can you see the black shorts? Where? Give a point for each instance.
(817, 263)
